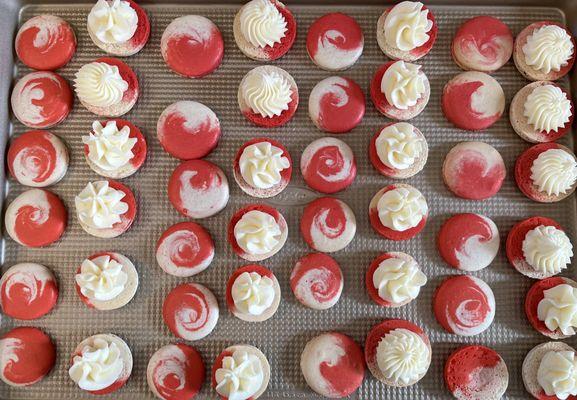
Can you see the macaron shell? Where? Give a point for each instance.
(317, 281)
(372, 290)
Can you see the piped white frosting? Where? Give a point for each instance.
(557, 374)
(407, 26)
(101, 278)
(547, 108)
(262, 24)
(100, 206)
(266, 92)
(554, 172)
(548, 48)
(402, 356)
(99, 365)
(252, 293)
(240, 376)
(558, 309)
(99, 84)
(108, 147)
(261, 165)
(403, 84)
(112, 21)
(398, 280)
(547, 249)
(399, 146)
(257, 233)
(402, 208)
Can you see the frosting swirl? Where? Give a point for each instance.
(398, 146)
(554, 172)
(407, 26)
(558, 309)
(547, 108)
(257, 233)
(113, 21)
(100, 206)
(402, 208)
(548, 48)
(403, 84)
(261, 165)
(101, 279)
(240, 376)
(547, 249)
(402, 356)
(557, 374)
(262, 24)
(398, 280)
(98, 366)
(266, 92)
(108, 147)
(252, 293)
(100, 84)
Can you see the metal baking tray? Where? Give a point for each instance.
(283, 337)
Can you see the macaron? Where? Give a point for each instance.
(398, 212)
(538, 247)
(175, 371)
(336, 104)
(36, 218)
(333, 365)
(398, 150)
(549, 306)
(547, 370)
(335, 41)
(544, 51)
(328, 165)
(97, 353)
(398, 352)
(188, 130)
(264, 30)
(28, 291)
(107, 87)
(198, 189)
(190, 311)
(406, 31)
(192, 46)
(473, 101)
(317, 281)
(120, 28)
(468, 242)
(474, 170)
(253, 293)
(464, 305)
(45, 42)
(394, 279)
(105, 209)
(37, 159)
(482, 43)
(541, 112)
(185, 249)
(27, 355)
(262, 168)
(546, 172)
(400, 90)
(257, 232)
(114, 149)
(106, 281)
(476, 372)
(328, 224)
(41, 100)
(267, 95)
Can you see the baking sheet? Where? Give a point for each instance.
(282, 337)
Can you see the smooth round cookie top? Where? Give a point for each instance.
(45, 42)
(333, 365)
(335, 41)
(317, 281)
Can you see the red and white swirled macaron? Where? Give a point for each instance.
(36, 218)
(28, 291)
(474, 170)
(192, 46)
(26, 356)
(336, 104)
(335, 41)
(198, 189)
(473, 101)
(41, 100)
(185, 249)
(469, 242)
(188, 130)
(328, 224)
(45, 42)
(190, 311)
(37, 159)
(333, 365)
(476, 373)
(328, 165)
(483, 44)
(464, 305)
(317, 281)
(175, 372)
